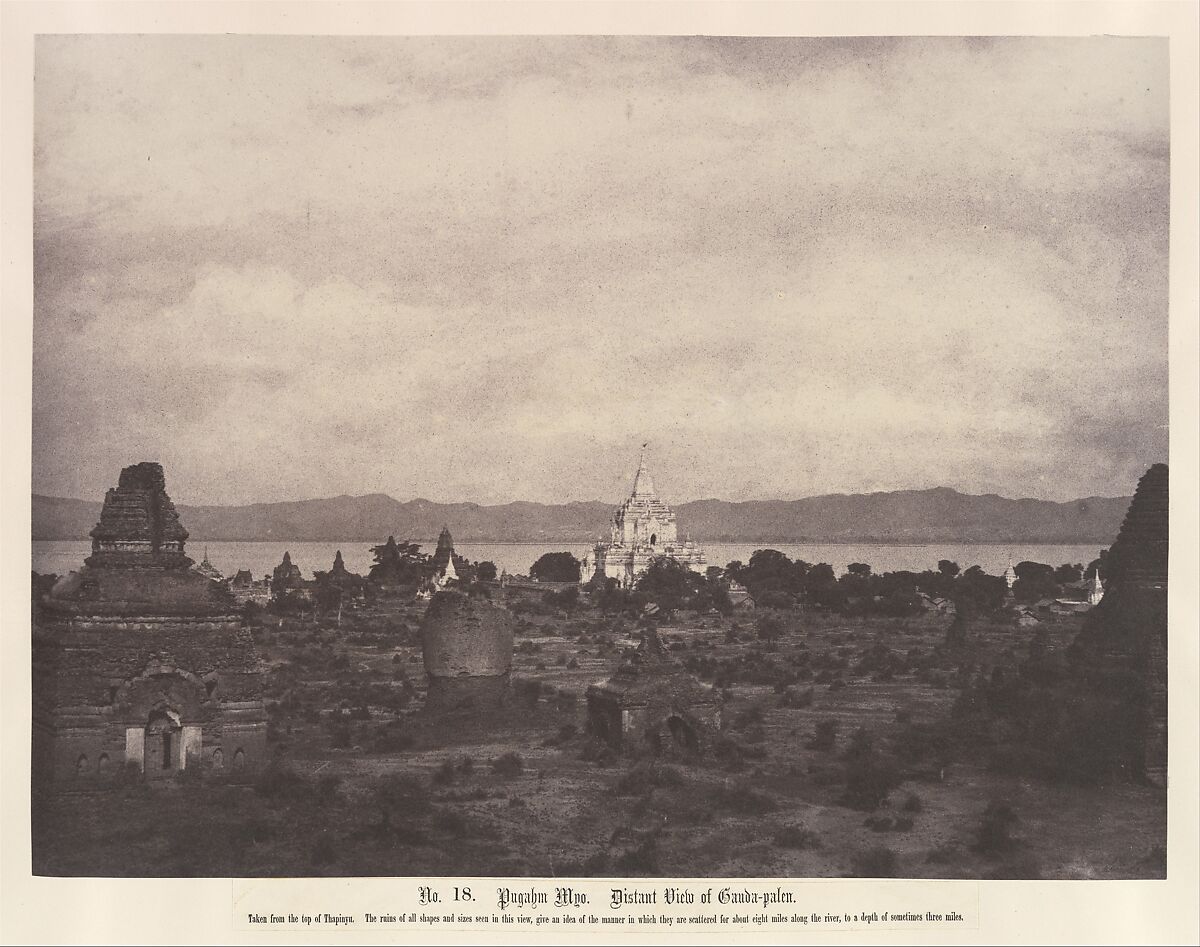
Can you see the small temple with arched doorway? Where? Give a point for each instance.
(653, 704)
(643, 529)
(140, 662)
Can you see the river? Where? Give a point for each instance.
(63, 556)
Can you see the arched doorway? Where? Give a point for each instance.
(163, 733)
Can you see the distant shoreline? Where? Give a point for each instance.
(911, 518)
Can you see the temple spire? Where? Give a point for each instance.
(642, 484)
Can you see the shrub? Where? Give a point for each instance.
(398, 795)
(869, 779)
(279, 781)
(451, 822)
(913, 803)
(860, 745)
(942, 854)
(327, 789)
(339, 735)
(1021, 867)
(743, 799)
(748, 717)
(796, 836)
(508, 765)
(642, 859)
(129, 775)
(876, 862)
(645, 777)
(824, 736)
(598, 752)
(445, 774)
(795, 698)
(323, 851)
(993, 834)
(391, 738)
(1156, 861)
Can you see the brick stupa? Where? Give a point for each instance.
(467, 647)
(140, 661)
(1125, 636)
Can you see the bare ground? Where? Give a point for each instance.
(772, 807)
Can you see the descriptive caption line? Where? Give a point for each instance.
(469, 907)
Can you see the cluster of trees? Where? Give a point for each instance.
(402, 564)
(669, 585)
(398, 565)
(555, 567)
(775, 580)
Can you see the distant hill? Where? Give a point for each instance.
(904, 516)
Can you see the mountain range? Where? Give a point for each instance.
(904, 516)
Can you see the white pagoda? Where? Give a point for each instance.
(643, 528)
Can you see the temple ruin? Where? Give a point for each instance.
(652, 703)
(1123, 644)
(467, 646)
(139, 661)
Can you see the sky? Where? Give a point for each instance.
(490, 269)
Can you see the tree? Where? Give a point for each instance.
(769, 627)
(610, 597)
(485, 571)
(668, 583)
(1035, 580)
(555, 567)
(399, 795)
(1068, 573)
(821, 587)
(860, 569)
(976, 592)
(718, 592)
(769, 571)
(398, 563)
(948, 568)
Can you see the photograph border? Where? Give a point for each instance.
(41, 910)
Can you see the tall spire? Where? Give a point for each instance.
(642, 484)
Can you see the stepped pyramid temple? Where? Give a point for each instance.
(139, 661)
(1124, 639)
(643, 528)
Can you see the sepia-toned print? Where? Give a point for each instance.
(600, 457)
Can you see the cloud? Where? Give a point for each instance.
(488, 268)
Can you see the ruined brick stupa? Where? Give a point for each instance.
(1124, 640)
(467, 645)
(651, 702)
(139, 660)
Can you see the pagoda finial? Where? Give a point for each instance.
(642, 484)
